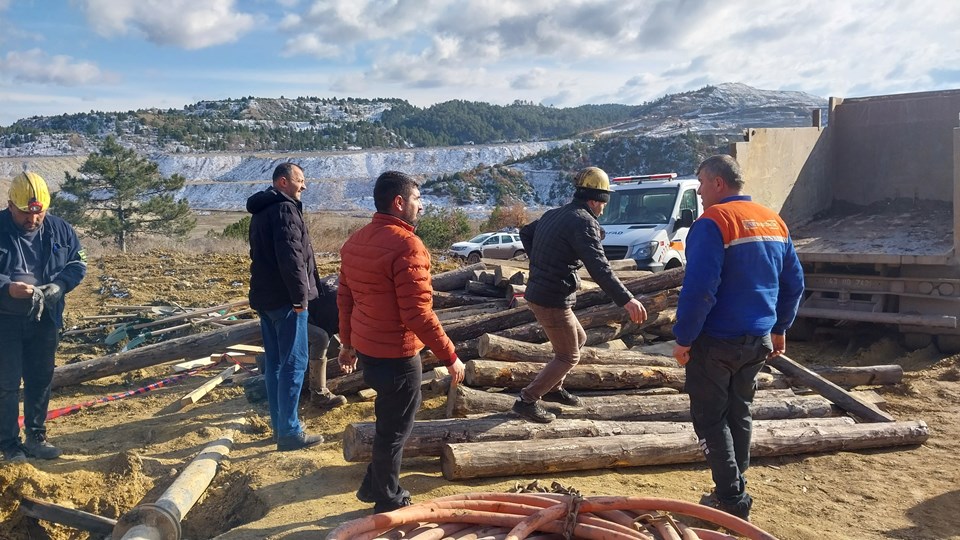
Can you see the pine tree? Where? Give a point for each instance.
(119, 194)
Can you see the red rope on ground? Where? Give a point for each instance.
(70, 409)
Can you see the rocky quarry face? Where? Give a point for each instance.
(335, 180)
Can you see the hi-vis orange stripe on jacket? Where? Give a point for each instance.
(743, 276)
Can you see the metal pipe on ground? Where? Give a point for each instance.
(161, 520)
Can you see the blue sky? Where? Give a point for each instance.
(65, 56)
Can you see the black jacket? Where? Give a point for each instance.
(558, 244)
(283, 269)
(323, 311)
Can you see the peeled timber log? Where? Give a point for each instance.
(429, 436)
(455, 279)
(486, 459)
(496, 347)
(194, 346)
(516, 375)
(670, 408)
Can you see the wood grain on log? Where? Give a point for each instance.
(486, 459)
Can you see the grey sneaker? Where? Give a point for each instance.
(36, 445)
(299, 441)
(533, 411)
(14, 454)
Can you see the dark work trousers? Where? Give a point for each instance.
(397, 383)
(721, 381)
(27, 350)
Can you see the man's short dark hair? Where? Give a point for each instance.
(389, 185)
(285, 170)
(724, 166)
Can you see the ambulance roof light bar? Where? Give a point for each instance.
(644, 177)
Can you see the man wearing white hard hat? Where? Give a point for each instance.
(40, 261)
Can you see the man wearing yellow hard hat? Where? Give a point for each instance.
(559, 243)
(40, 261)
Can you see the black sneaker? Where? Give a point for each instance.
(390, 506)
(562, 396)
(533, 411)
(36, 445)
(741, 509)
(364, 495)
(298, 442)
(14, 454)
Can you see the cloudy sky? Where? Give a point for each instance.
(63, 56)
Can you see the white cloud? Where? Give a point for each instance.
(189, 24)
(36, 66)
(310, 44)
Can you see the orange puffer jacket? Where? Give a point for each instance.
(385, 295)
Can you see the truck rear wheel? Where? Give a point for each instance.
(948, 343)
(916, 340)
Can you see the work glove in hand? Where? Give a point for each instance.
(36, 305)
(52, 293)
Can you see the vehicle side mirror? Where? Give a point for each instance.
(686, 219)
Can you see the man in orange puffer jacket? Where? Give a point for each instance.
(386, 317)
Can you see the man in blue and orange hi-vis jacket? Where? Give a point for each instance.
(741, 292)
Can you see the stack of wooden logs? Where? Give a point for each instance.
(633, 412)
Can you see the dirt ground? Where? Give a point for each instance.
(128, 451)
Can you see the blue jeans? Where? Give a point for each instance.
(27, 350)
(285, 340)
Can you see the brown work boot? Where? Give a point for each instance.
(327, 400)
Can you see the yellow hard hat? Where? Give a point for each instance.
(592, 178)
(29, 193)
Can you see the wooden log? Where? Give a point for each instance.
(514, 290)
(242, 347)
(70, 517)
(158, 353)
(480, 288)
(850, 403)
(623, 264)
(612, 345)
(509, 275)
(601, 315)
(582, 377)
(461, 461)
(474, 327)
(670, 408)
(444, 300)
(457, 313)
(429, 436)
(494, 347)
(206, 387)
(455, 279)
(850, 376)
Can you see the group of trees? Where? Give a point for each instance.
(312, 124)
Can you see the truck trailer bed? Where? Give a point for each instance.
(906, 232)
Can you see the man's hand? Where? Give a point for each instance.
(52, 293)
(779, 345)
(682, 354)
(456, 370)
(347, 359)
(637, 312)
(19, 289)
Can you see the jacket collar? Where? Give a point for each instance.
(388, 219)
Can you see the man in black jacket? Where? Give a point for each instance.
(558, 244)
(283, 280)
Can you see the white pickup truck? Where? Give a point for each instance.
(648, 217)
